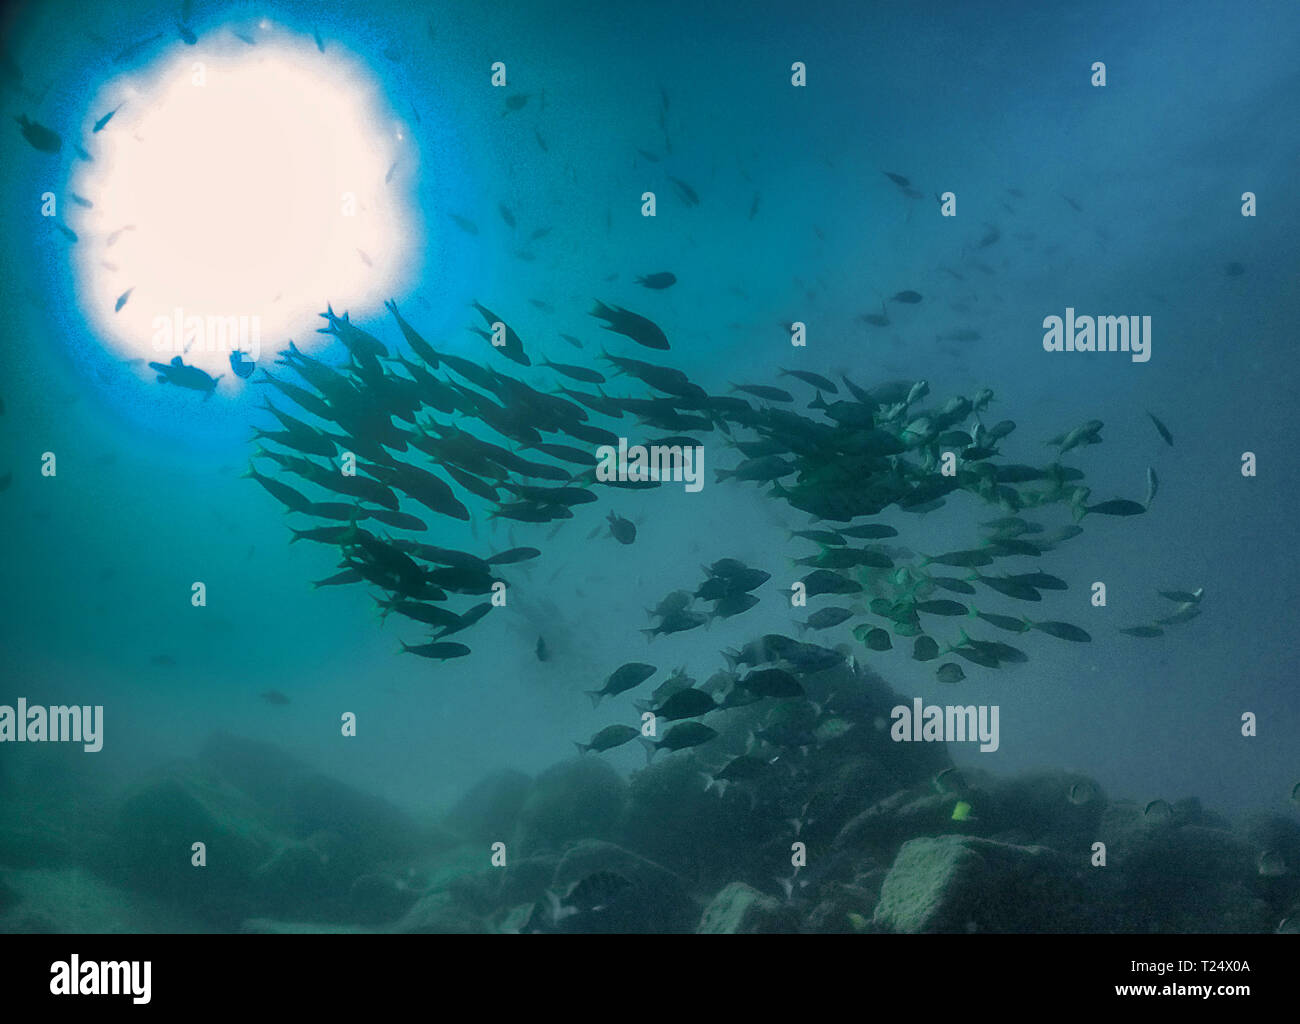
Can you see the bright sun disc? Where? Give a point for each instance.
(236, 192)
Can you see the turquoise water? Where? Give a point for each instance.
(1113, 201)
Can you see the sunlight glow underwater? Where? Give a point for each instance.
(236, 192)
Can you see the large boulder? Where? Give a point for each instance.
(967, 884)
(490, 810)
(578, 799)
(740, 909)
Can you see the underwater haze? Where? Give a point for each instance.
(965, 332)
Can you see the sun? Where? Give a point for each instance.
(235, 192)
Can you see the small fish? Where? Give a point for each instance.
(465, 224)
(99, 125)
(67, 232)
(908, 296)
(623, 678)
(539, 233)
(688, 194)
(242, 367)
(679, 737)
(1183, 596)
(541, 142)
(186, 33)
(815, 379)
(320, 43)
(622, 530)
(506, 215)
(1073, 205)
(1163, 430)
(121, 300)
(753, 207)
(542, 651)
(364, 258)
(659, 281)
(275, 697)
(81, 201)
(1063, 631)
(925, 648)
(897, 179)
(1153, 484)
(950, 672)
(135, 48)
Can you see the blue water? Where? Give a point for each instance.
(1199, 107)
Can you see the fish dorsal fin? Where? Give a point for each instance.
(176, 361)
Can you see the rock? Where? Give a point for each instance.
(905, 815)
(378, 899)
(72, 901)
(838, 901)
(439, 913)
(578, 799)
(658, 901)
(490, 810)
(297, 882)
(740, 909)
(671, 818)
(150, 848)
(966, 884)
(371, 828)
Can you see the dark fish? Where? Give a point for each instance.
(506, 215)
(1063, 631)
(623, 678)
(815, 379)
(439, 651)
(631, 325)
(513, 555)
(950, 672)
(1116, 507)
(908, 296)
(542, 651)
(897, 179)
(608, 738)
(679, 737)
(464, 223)
(339, 578)
(135, 48)
(771, 682)
(753, 207)
(826, 618)
(869, 531)
(622, 530)
(99, 125)
(320, 43)
(661, 280)
(688, 194)
(765, 392)
(582, 373)
(121, 300)
(925, 648)
(1164, 431)
(178, 373)
(66, 231)
(541, 142)
(275, 697)
(942, 607)
(40, 137)
(1073, 205)
(684, 703)
(242, 367)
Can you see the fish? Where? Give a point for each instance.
(687, 194)
(506, 215)
(950, 672)
(1142, 631)
(1153, 484)
(623, 678)
(771, 682)
(1183, 596)
(631, 325)
(121, 300)
(464, 223)
(1116, 507)
(241, 367)
(184, 376)
(136, 48)
(320, 43)
(1063, 631)
(541, 650)
(608, 738)
(679, 737)
(907, 296)
(437, 651)
(1073, 205)
(42, 139)
(683, 703)
(275, 697)
(815, 379)
(1161, 429)
(826, 618)
(99, 125)
(663, 279)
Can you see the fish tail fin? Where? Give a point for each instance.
(650, 635)
(651, 748)
(582, 747)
